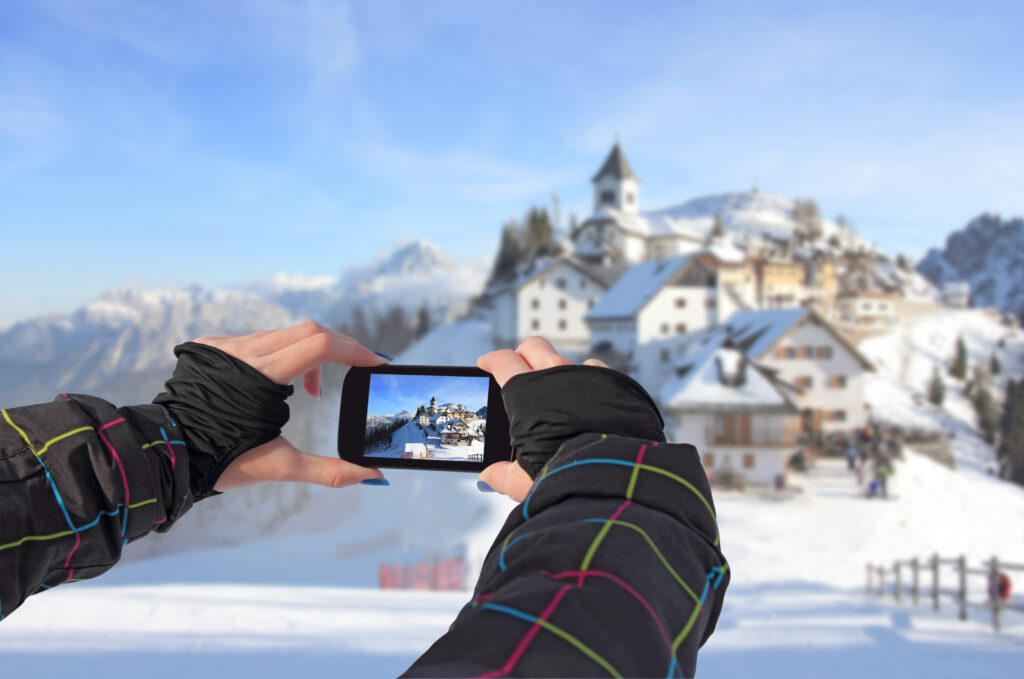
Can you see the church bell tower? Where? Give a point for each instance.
(615, 185)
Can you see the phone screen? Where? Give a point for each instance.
(441, 418)
(426, 417)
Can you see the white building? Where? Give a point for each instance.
(617, 232)
(957, 294)
(548, 297)
(737, 414)
(804, 350)
(868, 308)
(652, 306)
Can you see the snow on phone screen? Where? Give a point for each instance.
(426, 417)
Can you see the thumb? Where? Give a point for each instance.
(279, 460)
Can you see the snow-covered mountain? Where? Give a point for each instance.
(413, 275)
(989, 254)
(120, 345)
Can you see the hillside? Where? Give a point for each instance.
(988, 253)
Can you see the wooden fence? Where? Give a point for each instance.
(997, 593)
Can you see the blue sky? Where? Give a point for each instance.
(391, 394)
(144, 142)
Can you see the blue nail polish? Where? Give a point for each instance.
(375, 482)
(384, 356)
(483, 487)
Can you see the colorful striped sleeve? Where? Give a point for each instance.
(611, 567)
(81, 478)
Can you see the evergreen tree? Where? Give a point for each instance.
(936, 389)
(538, 232)
(994, 366)
(359, 329)
(959, 367)
(1011, 440)
(510, 252)
(423, 322)
(717, 227)
(808, 219)
(987, 412)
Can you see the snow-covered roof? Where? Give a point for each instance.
(636, 287)
(716, 377)
(755, 331)
(527, 271)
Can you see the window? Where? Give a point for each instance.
(680, 302)
(664, 355)
(837, 382)
(607, 198)
(664, 328)
(535, 304)
(535, 324)
(561, 324)
(804, 382)
(748, 460)
(709, 460)
(790, 352)
(839, 416)
(629, 199)
(590, 304)
(806, 352)
(561, 304)
(709, 303)
(680, 328)
(780, 353)
(824, 352)
(560, 283)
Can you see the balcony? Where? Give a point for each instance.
(739, 439)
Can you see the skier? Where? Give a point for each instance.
(82, 478)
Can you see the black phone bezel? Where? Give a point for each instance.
(352, 419)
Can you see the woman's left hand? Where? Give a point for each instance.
(283, 355)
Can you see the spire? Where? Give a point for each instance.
(615, 166)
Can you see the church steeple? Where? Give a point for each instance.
(615, 185)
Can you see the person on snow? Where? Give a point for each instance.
(611, 565)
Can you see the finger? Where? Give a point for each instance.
(540, 354)
(299, 358)
(312, 381)
(504, 364)
(596, 362)
(508, 478)
(279, 460)
(265, 343)
(215, 338)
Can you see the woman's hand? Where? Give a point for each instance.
(282, 355)
(535, 353)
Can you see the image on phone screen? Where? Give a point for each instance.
(426, 417)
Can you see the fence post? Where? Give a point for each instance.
(881, 581)
(899, 581)
(962, 566)
(935, 581)
(993, 592)
(915, 570)
(868, 587)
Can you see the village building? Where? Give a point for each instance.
(868, 308)
(548, 297)
(957, 294)
(805, 350)
(635, 326)
(739, 415)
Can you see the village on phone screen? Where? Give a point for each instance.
(426, 417)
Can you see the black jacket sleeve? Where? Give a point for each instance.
(79, 479)
(613, 565)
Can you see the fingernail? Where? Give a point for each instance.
(320, 394)
(375, 482)
(384, 356)
(483, 487)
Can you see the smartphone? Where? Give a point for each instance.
(422, 417)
